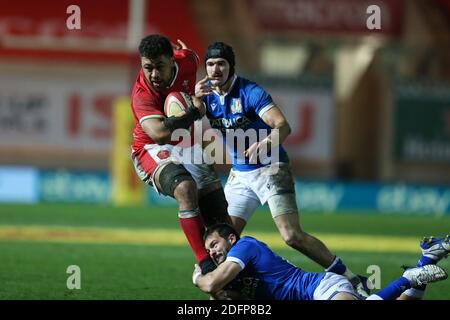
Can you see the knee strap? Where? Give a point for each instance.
(171, 176)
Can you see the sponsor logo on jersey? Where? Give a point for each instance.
(213, 106)
(233, 123)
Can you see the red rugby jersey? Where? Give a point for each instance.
(147, 103)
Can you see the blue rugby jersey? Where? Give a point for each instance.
(266, 275)
(242, 108)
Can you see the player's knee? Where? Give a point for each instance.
(186, 191)
(176, 181)
(293, 238)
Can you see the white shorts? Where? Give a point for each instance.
(153, 156)
(331, 285)
(245, 191)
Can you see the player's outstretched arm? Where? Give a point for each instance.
(216, 280)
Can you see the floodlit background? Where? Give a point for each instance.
(370, 146)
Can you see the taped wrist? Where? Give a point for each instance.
(195, 277)
(182, 122)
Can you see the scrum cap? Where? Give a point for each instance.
(221, 50)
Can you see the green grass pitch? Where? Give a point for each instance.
(35, 249)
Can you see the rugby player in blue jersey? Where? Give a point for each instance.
(254, 128)
(249, 269)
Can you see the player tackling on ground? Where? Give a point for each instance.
(249, 269)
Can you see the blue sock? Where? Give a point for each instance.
(394, 289)
(337, 266)
(424, 261)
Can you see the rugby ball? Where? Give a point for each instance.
(177, 103)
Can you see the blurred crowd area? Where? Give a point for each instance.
(364, 104)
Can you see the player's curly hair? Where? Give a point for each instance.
(223, 229)
(154, 46)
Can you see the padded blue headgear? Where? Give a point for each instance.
(221, 50)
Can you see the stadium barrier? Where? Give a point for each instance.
(19, 184)
(28, 185)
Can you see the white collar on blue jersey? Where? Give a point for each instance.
(229, 89)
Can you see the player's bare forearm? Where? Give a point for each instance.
(280, 131)
(214, 281)
(156, 130)
(211, 282)
(279, 134)
(277, 121)
(160, 129)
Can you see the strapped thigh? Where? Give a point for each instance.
(171, 176)
(282, 204)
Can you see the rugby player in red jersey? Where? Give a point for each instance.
(157, 157)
